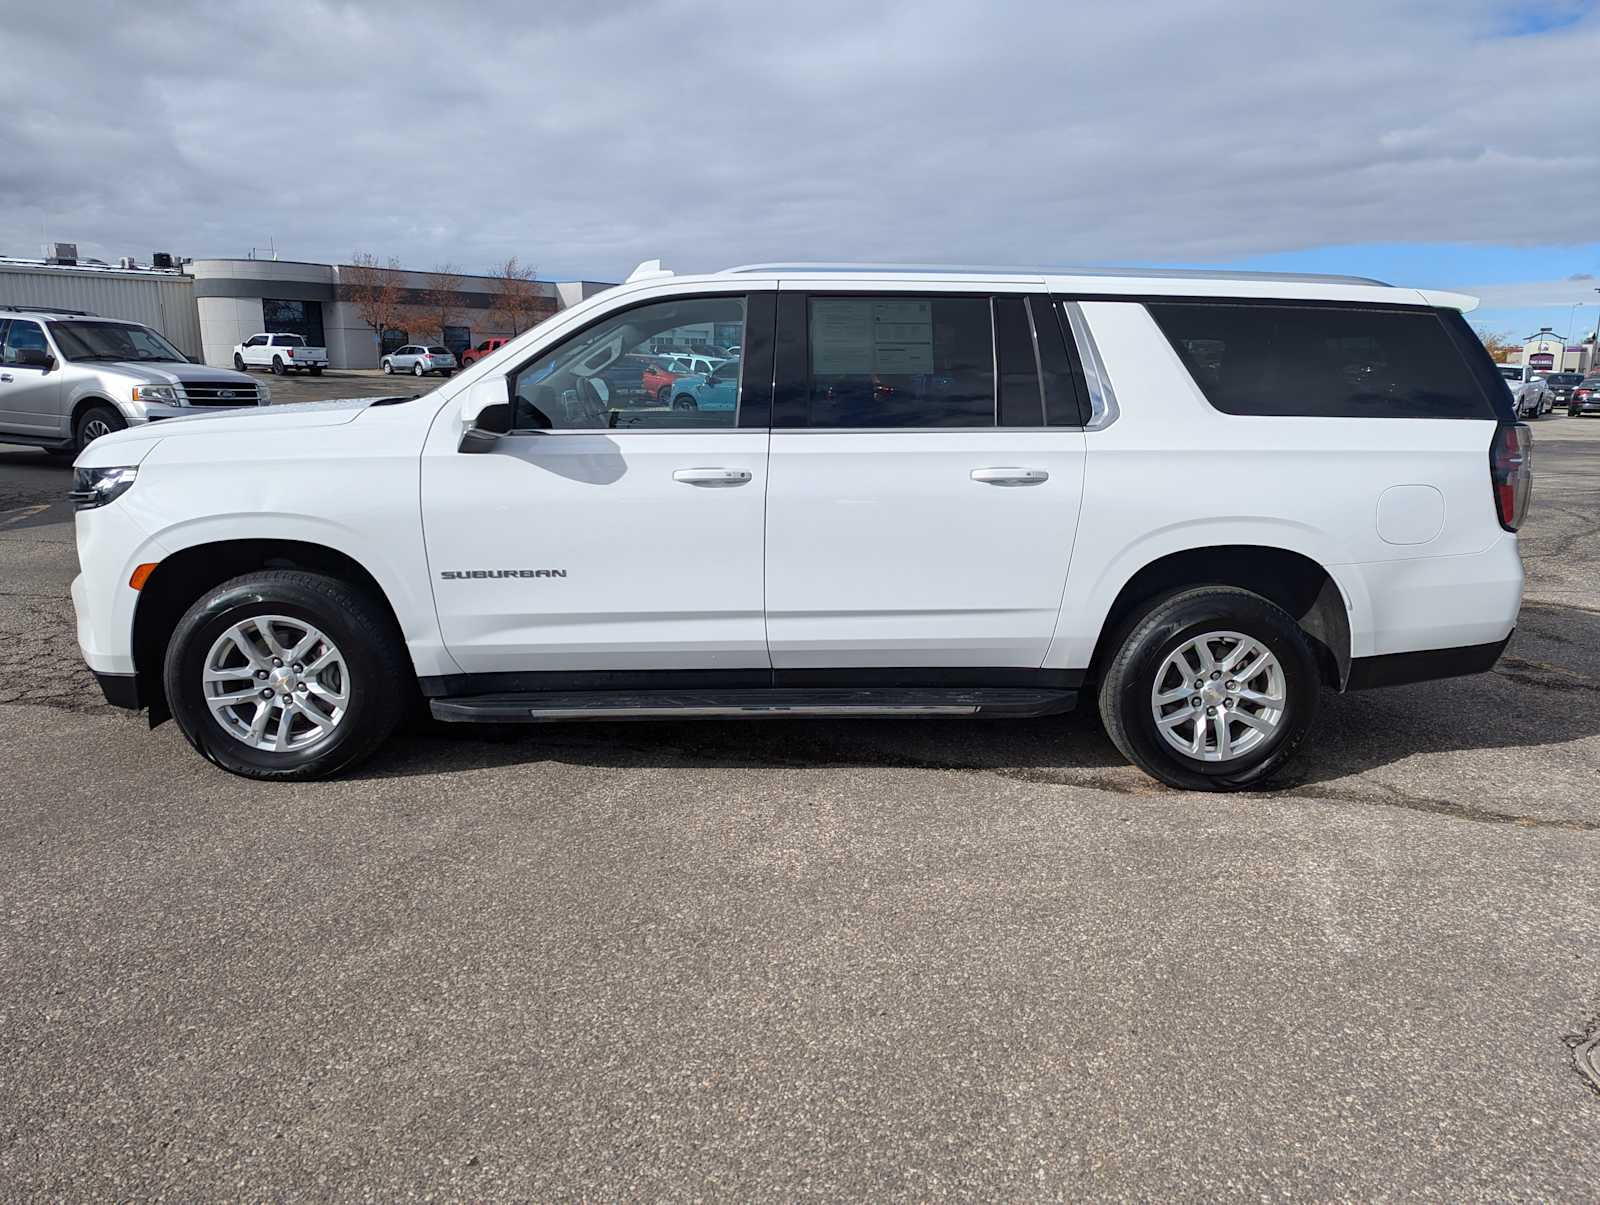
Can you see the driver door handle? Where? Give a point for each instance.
(5, 376)
(1010, 476)
(712, 477)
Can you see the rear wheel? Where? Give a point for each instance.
(1210, 689)
(316, 370)
(285, 674)
(277, 366)
(664, 394)
(95, 422)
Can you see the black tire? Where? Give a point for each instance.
(684, 402)
(277, 366)
(388, 368)
(416, 369)
(379, 670)
(316, 371)
(1572, 412)
(445, 372)
(1146, 640)
(88, 429)
(238, 363)
(664, 394)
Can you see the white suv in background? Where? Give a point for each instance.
(1195, 500)
(68, 378)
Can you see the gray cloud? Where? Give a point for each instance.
(587, 137)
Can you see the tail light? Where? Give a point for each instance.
(1511, 472)
(1581, 394)
(290, 352)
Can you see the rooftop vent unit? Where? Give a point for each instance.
(161, 259)
(127, 263)
(65, 254)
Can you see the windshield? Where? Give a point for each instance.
(113, 341)
(1511, 372)
(1563, 379)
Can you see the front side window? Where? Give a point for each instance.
(19, 335)
(595, 379)
(80, 340)
(901, 361)
(1310, 361)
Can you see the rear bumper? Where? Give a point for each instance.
(1397, 669)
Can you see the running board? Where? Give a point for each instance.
(536, 707)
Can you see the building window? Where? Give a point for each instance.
(394, 340)
(456, 338)
(303, 318)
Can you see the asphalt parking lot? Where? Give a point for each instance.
(805, 959)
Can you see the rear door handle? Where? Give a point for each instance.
(713, 477)
(1009, 476)
(5, 376)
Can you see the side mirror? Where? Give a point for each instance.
(35, 357)
(486, 415)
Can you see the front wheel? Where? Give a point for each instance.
(1210, 689)
(277, 366)
(95, 422)
(388, 369)
(238, 362)
(684, 402)
(416, 369)
(286, 674)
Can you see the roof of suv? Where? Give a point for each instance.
(1130, 282)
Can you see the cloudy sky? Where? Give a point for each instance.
(1440, 142)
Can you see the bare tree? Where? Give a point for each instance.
(1497, 343)
(440, 304)
(519, 303)
(374, 289)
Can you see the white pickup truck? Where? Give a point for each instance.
(281, 353)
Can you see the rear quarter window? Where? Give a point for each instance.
(1330, 361)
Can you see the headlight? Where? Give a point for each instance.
(96, 487)
(165, 395)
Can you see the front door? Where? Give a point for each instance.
(925, 479)
(608, 534)
(30, 395)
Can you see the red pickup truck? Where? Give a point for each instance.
(489, 346)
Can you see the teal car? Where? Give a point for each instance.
(716, 390)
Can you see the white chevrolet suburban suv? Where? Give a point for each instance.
(1198, 499)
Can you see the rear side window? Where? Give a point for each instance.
(1311, 361)
(288, 340)
(901, 361)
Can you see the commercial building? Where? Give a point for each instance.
(206, 306)
(1547, 351)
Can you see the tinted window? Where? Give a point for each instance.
(288, 341)
(438, 351)
(1563, 380)
(21, 334)
(1021, 404)
(900, 362)
(594, 380)
(1323, 361)
(1065, 400)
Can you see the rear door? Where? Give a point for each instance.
(926, 472)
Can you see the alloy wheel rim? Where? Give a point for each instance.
(276, 683)
(94, 429)
(1219, 696)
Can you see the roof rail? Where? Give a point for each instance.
(46, 309)
(1145, 273)
(651, 269)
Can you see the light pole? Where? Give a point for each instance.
(1561, 362)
